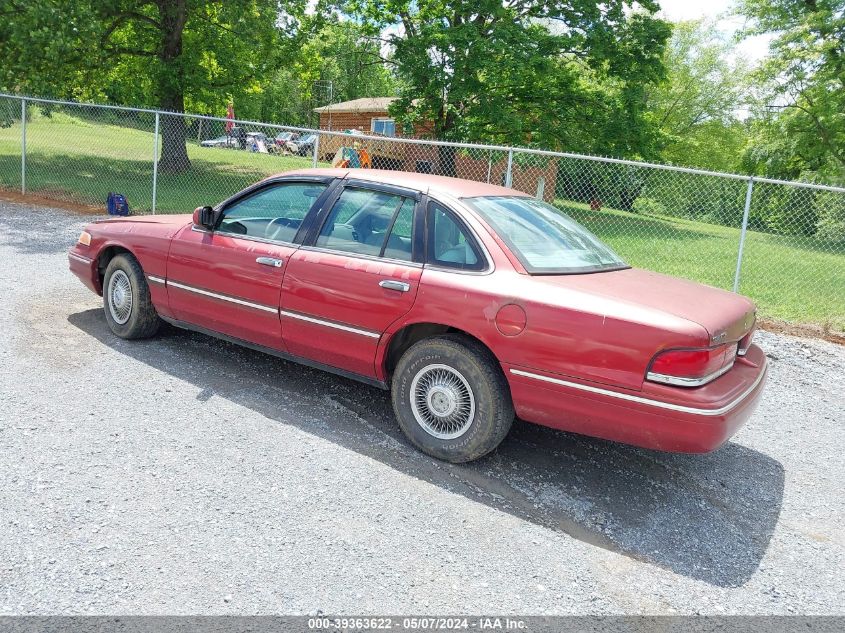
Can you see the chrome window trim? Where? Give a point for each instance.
(688, 382)
(80, 258)
(214, 295)
(375, 258)
(648, 401)
(331, 324)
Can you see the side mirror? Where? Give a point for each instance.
(204, 217)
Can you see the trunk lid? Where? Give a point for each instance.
(725, 315)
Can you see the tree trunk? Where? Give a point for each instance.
(171, 86)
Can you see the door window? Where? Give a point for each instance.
(448, 243)
(369, 222)
(399, 244)
(274, 213)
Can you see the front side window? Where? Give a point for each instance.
(545, 240)
(448, 245)
(369, 222)
(274, 213)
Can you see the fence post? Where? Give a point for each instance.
(155, 163)
(23, 146)
(743, 232)
(509, 172)
(316, 151)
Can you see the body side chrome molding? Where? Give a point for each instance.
(331, 324)
(214, 295)
(648, 401)
(80, 258)
(258, 306)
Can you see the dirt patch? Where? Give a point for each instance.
(52, 199)
(803, 330)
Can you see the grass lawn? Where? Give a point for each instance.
(799, 280)
(82, 161)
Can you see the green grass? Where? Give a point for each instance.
(73, 159)
(800, 280)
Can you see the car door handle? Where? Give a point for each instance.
(392, 284)
(269, 261)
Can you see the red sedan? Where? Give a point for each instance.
(472, 303)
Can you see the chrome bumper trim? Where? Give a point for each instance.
(648, 401)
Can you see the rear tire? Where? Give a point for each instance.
(451, 398)
(126, 299)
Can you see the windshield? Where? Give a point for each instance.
(545, 240)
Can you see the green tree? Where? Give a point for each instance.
(799, 123)
(522, 71)
(338, 54)
(696, 107)
(161, 53)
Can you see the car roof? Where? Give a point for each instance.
(425, 183)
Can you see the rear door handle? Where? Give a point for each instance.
(269, 261)
(392, 284)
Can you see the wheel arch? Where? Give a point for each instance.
(409, 334)
(106, 254)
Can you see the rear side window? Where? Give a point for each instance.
(448, 243)
(274, 213)
(369, 222)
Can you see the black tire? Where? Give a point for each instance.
(142, 320)
(493, 413)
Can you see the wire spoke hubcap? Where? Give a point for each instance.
(120, 297)
(442, 401)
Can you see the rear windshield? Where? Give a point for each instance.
(545, 240)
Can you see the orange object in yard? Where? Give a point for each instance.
(364, 157)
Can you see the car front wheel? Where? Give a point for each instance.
(451, 398)
(126, 299)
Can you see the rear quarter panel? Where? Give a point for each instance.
(567, 332)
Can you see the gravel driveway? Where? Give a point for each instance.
(186, 475)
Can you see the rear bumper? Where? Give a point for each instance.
(86, 269)
(664, 418)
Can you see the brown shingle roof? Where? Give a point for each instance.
(367, 104)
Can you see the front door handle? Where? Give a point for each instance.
(269, 261)
(392, 284)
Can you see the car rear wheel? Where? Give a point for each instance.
(126, 299)
(451, 398)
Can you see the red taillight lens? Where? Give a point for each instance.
(691, 367)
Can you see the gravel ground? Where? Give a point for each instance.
(185, 475)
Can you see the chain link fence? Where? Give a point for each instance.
(781, 243)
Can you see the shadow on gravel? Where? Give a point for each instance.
(709, 517)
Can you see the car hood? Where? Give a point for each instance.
(725, 315)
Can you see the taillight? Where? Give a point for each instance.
(691, 367)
